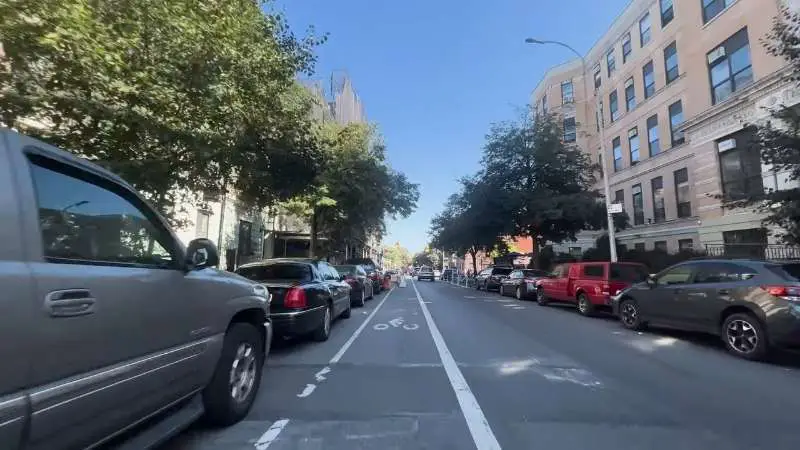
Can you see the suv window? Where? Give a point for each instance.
(594, 270)
(722, 273)
(283, 271)
(788, 272)
(676, 275)
(534, 273)
(632, 273)
(87, 218)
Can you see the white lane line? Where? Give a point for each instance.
(307, 390)
(271, 434)
(320, 376)
(358, 331)
(479, 428)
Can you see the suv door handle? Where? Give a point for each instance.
(69, 303)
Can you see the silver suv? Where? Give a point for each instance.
(106, 320)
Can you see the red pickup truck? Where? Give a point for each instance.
(589, 285)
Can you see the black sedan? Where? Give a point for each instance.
(307, 295)
(361, 286)
(491, 277)
(373, 273)
(518, 281)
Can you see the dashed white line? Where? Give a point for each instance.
(358, 331)
(320, 376)
(271, 434)
(307, 390)
(479, 428)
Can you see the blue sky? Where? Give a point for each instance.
(435, 74)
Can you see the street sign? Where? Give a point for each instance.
(615, 208)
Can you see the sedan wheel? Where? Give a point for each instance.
(745, 337)
(323, 332)
(541, 299)
(519, 293)
(629, 315)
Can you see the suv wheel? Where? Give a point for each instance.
(323, 332)
(745, 337)
(585, 307)
(233, 388)
(541, 299)
(629, 315)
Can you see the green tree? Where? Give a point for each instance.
(177, 97)
(779, 140)
(422, 259)
(396, 256)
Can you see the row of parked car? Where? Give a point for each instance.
(115, 334)
(753, 305)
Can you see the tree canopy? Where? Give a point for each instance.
(177, 97)
(396, 256)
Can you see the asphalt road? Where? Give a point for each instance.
(434, 366)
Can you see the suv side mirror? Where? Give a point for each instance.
(651, 280)
(201, 253)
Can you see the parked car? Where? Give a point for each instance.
(491, 277)
(307, 295)
(361, 287)
(110, 325)
(447, 274)
(752, 305)
(437, 273)
(522, 282)
(589, 285)
(373, 272)
(426, 273)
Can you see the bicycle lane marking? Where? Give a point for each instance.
(479, 428)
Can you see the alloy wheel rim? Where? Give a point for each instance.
(742, 336)
(540, 295)
(327, 324)
(582, 306)
(519, 294)
(243, 373)
(629, 313)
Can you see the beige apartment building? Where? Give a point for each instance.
(677, 83)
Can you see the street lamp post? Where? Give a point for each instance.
(606, 188)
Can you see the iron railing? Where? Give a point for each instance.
(757, 251)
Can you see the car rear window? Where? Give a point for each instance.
(501, 271)
(534, 273)
(789, 272)
(299, 272)
(594, 270)
(346, 270)
(628, 272)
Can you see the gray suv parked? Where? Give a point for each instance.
(106, 321)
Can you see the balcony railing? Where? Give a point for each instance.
(758, 251)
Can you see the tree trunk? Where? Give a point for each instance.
(312, 246)
(474, 262)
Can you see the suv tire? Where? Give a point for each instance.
(585, 306)
(630, 316)
(241, 363)
(541, 299)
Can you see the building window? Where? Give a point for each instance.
(682, 198)
(544, 103)
(685, 245)
(712, 8)
(201, 227)
(619, 197)
(639, 246)
(611, 63)
(633, 144)
(598, 81)
(638, 204)
(659, 212)
(667, 12)
(613, 105)
(740, 166)
(644, 29)
(660, 245)
(649, 80)
(566, 92)
(729, 67)
(652, 135)
(627, 47)
(675, 120)
(671, 62)
(569, 129)
(616, 144)
(630, 95)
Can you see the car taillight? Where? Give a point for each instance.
(295, 298)
(791, 293)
